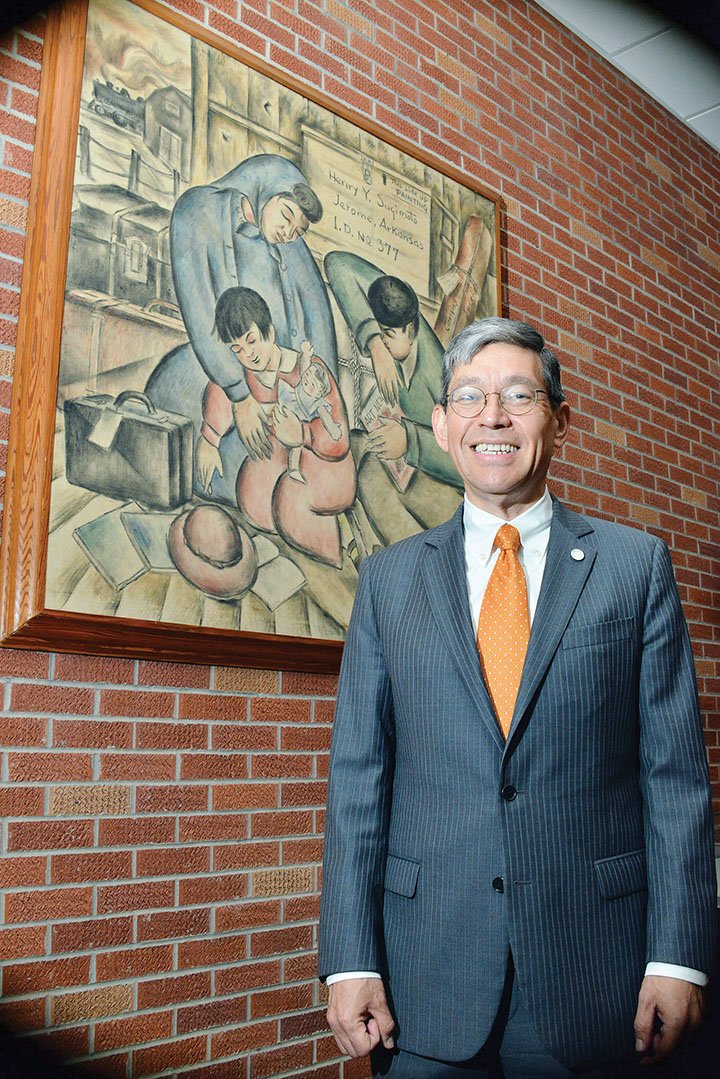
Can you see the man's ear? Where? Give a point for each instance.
(562, 419)
(439, 426)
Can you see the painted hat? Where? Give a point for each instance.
(212, 552)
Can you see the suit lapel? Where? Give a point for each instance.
(443, 571)
(563, 581)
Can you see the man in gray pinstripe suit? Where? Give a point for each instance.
(542, 903)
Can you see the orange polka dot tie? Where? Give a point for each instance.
(504, 626)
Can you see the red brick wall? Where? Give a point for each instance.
(162, 824)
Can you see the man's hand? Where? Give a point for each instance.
(385, 369)
(667, 1009)
(359, 1016)
(252, 426)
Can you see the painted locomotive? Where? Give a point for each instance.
(123, 110)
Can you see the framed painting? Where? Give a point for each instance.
(235, 302)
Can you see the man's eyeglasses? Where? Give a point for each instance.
(469, 401)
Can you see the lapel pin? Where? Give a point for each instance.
(577, 554)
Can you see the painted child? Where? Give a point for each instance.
(306, 400)
(304, 514)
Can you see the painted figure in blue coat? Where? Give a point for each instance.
(244, 229)
(543, 902)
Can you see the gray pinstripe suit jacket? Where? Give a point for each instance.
(595, 813)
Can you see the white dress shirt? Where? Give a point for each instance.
(533, 524)
(481, 527)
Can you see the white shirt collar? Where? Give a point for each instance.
(481, 527)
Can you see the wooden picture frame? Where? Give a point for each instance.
(427, 247)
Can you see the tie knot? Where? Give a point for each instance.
(508, 538)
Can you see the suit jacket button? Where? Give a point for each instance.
(499, 884)
(508, 792)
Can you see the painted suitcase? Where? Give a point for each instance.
(125, 448)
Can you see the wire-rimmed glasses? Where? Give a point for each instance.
(516, 400)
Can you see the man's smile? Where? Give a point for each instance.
(495, 447)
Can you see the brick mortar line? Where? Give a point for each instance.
(134, 687)
(179, 845)
(58, 852)
(173, 974)
(173, 721)
(175, 846)
(40, 890)
(143, 912)
(69, 990)
(160, 784)
(172, 811)
(204, 875)
(159, 816)
(197, 877)
(11, 170)
(26, 61)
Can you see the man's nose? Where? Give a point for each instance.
(494, 415)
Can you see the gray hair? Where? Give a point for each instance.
(505, 331)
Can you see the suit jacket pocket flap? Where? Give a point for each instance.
(401, 875)
(620, 629)
(622, 874)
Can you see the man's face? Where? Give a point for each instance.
(282, 220)
(398, 340)
(252, 349)
(503, 459)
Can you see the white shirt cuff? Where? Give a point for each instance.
(347, 974)
(670, 970)
(661, 970)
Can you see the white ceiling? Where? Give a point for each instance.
(649, 42)
(679, 69)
